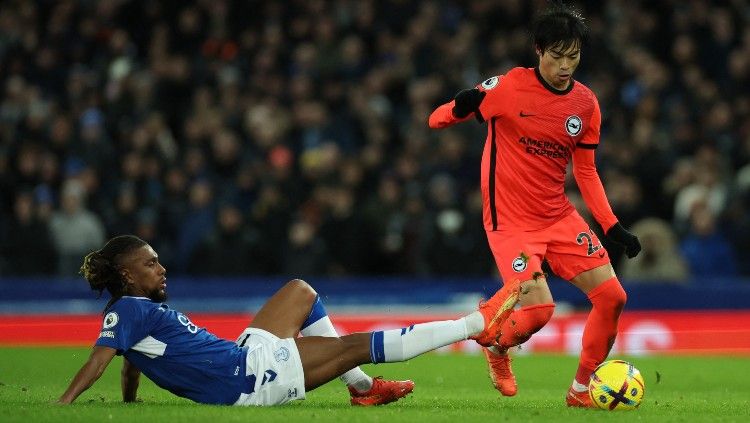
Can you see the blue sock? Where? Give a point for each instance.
(377, 349)
(318, 324)
(318, 312)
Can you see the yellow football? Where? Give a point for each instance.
(616, 385)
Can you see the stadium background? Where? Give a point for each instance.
(251, 142)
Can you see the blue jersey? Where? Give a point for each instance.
(175, 353)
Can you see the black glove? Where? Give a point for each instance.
(468, 101)
(621, 236)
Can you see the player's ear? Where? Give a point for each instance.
(125, 274)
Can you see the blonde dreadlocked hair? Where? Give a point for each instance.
(101, 268)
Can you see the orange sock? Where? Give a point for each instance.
(523, 323)
(600, 331)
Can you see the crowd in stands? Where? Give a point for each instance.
(290, 137)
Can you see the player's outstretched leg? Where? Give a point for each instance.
(325, 358)
(494, 312)
(517, 329)
(364, 390)
(296, 308)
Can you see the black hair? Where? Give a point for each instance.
(559, 25)
(101, 268)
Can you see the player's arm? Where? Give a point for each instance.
(463, 106)
(472, 103)
(130, 378)
(590, 185)
(90, 372)
(592, 190)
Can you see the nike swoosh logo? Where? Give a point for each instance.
(522, 114)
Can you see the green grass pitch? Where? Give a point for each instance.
(449, 388)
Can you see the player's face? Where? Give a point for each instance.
(146, 277)
(557, 65)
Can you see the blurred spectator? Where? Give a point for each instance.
(124, 215)
(196, 224)
(306, 253)
(706, 250)
(270, 215)
(448, 243)
(384, 228)
(660, 259)
(228, 250)
(94, 147)
(146, 229)
(625, 197)
(173, 205)
(75, 230)
(737, 227)
(708, 189)
(27, 245)
(340, 230)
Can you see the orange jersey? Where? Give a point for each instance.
(533, 132)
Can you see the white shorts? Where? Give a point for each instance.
(277, 367)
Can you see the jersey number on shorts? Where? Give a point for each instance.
(589, 238)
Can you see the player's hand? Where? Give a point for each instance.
(467, 101)
(621, 236)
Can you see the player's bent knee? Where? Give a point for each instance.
(298, 286)
(609, 294)
(620, 296)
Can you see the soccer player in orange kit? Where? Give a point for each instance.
(538, 120)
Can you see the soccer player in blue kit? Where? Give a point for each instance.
(268, 364)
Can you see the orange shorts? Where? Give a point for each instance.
(569, 246)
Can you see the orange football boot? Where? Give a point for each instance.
(495, 311)
(579, 399)
(501, 373)
(382, 392)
